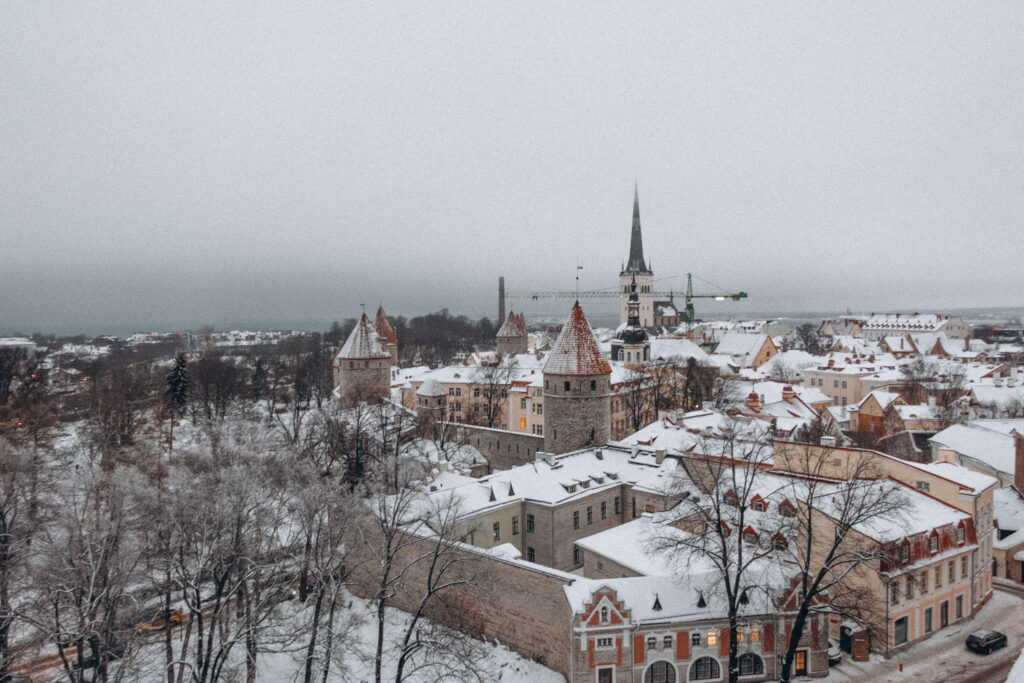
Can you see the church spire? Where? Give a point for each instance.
(636, 244)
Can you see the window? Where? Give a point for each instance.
(476, 392)
(787, 510)
(923, 486)
(458, 391)
(605, 643)
(905, 553)
(894, 593)
(960, 535)
(924, 582)
(660, 672)
(605, 675)
(750, 538)
(497, 531)
(515, 525)
(844, 384)
(712, 638)
(758, 505)
(539, 409)
(604, 615)
(933, 544)
(928, 620)
(666, 642)
(590, 514)
(963, 567)
(652, 643)
(451, 391)
(959, 607)
(530, 555)
(576, 555)
(755, 635)
(705, 668)
(911, 586)
(567, 386)
(741, 635)
(951, 573)
(576, 519)
(938, 576)
(604, 510)
(522, 404)
(835, 384)
(751, 665)
(695, 640)
(616, 505)
(593, 385)
(554, 434)
(529, 524)
(899, 631)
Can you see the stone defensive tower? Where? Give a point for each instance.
(577, 389)
(362, 368)
(635, 269)
(512, 337)
(386, 333)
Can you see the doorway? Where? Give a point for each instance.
(800, 663)
(944, 614)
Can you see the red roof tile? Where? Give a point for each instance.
(383, 327)
(575, 352)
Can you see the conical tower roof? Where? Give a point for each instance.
(363, 343)
(511, 326)
(575, 351)
(636, 263)
(383, 327)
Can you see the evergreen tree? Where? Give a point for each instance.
(177, 385)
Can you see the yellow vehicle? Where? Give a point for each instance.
(163, 619)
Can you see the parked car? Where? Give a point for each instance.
(985, 640)
(835, 655)
(159, 621)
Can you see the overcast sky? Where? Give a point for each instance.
(202, 162)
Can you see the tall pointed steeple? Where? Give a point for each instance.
(636, 243)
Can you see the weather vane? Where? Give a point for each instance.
(578, 269)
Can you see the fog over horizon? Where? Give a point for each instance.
(171, 166)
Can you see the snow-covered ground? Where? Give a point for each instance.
(944, 657)
(494, 661)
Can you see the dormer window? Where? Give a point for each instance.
(960, 535)
(933, 544)
(758, 505)
(905, 553)
(604, 615)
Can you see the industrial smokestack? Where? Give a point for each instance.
(501, 301)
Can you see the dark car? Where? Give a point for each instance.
(985, 640)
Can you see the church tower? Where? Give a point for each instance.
(362, 368)
(632, 345)
(636, 268)
(577, 389)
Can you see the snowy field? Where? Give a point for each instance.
(944, 657)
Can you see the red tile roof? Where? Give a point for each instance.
(575, 352)
(383, 327)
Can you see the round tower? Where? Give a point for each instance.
(362, 367)
(577, 389)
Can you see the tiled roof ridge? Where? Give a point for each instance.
(383, 327)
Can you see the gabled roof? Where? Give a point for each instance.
(363, 342)
(383, 328)
(575, 351)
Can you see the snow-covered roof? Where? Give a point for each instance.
(362, 343)
(884, 398)
(738, 344)
(964, 476)
(987, 441)
(674, 348)
(925, 322)
(1008, 508)
(571, 475)
(431, 387)
(575, 352)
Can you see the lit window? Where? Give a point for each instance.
(712, 638)
(755, 635)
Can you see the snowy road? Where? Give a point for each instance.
(944, 657)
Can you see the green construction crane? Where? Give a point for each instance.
(688, 312)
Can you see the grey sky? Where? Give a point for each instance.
(282, 161)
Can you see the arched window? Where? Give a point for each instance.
(604, 615)
(705, 669)
(751, 665)
(660, 672)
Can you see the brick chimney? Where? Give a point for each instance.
(788, 394)
(1018, 465)
(753, 402)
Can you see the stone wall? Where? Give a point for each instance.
(502, 448)
(521, 605)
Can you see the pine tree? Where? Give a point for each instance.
(177, 385)
(257, 385)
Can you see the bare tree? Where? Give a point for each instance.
(491, 384)
(824, 517)
(715, 491)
